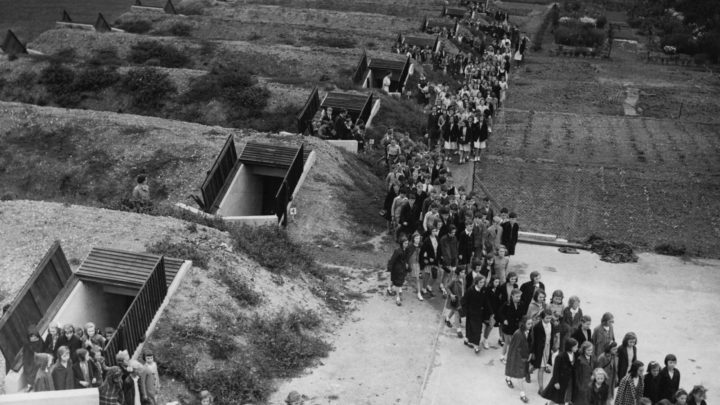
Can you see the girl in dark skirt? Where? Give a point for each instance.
(518, 357)
(542, 345)
(398, 268)
(473, 305)
(558, 389)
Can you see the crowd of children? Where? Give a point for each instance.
(72, 357)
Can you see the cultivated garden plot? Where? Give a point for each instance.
(643, 181)
(627, 143)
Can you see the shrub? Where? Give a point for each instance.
(58, 80)
(156, 53)
(95, 78)
(148, 87)
(574, 33)
(285, 346)
(331, 41)
(239, 289)
(107, 56)
(683, 42)
(272, 248)
(251, 98)
(180, 29)
(65, 55)
(180, 250)
(136, 26)
(193, 7)
(671, 249)
(601, 22)
(277, 346)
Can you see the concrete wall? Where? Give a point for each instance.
(88, 396)
(268, 171)
(89, 303)
(254, 220)
(86, 303)
(350, 146)
(244, 196)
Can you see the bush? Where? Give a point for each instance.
(601, 22)
(95, 78)
(683, 42)
(180, 250)
(671, 249)
(330, 41)
(284, 345)
(65, 55)
(148, 87)
(107, 56)
(58, 80)
(136, 26)
(277, 346)
(193, 7)
(578, 34)
(180, 29)
(239, 289)
(155, 53)
(272, 248)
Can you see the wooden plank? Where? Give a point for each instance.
(218, 174)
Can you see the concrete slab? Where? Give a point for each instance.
(668, 302)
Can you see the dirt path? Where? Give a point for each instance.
(381, 354)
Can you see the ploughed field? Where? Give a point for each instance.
(565, 157)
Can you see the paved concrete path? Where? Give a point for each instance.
(668, 302)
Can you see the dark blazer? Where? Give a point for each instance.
(73, 344)
(51, 348)
(466, 246)
(449, 250)
(503, 296)
(569, 323)
(581, 336)
(653, 387)
(528, 289)
(583, 369)
(510, 236)
(537, 343)
(92, 373)
(428, 255)
(563, 375)
(128, 388)
(669, 386)
(512, 314)
(62, 377)
(623, 361)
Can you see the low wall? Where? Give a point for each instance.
(254, 220)
(89, 396)
(350, 146)
(244, 196)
